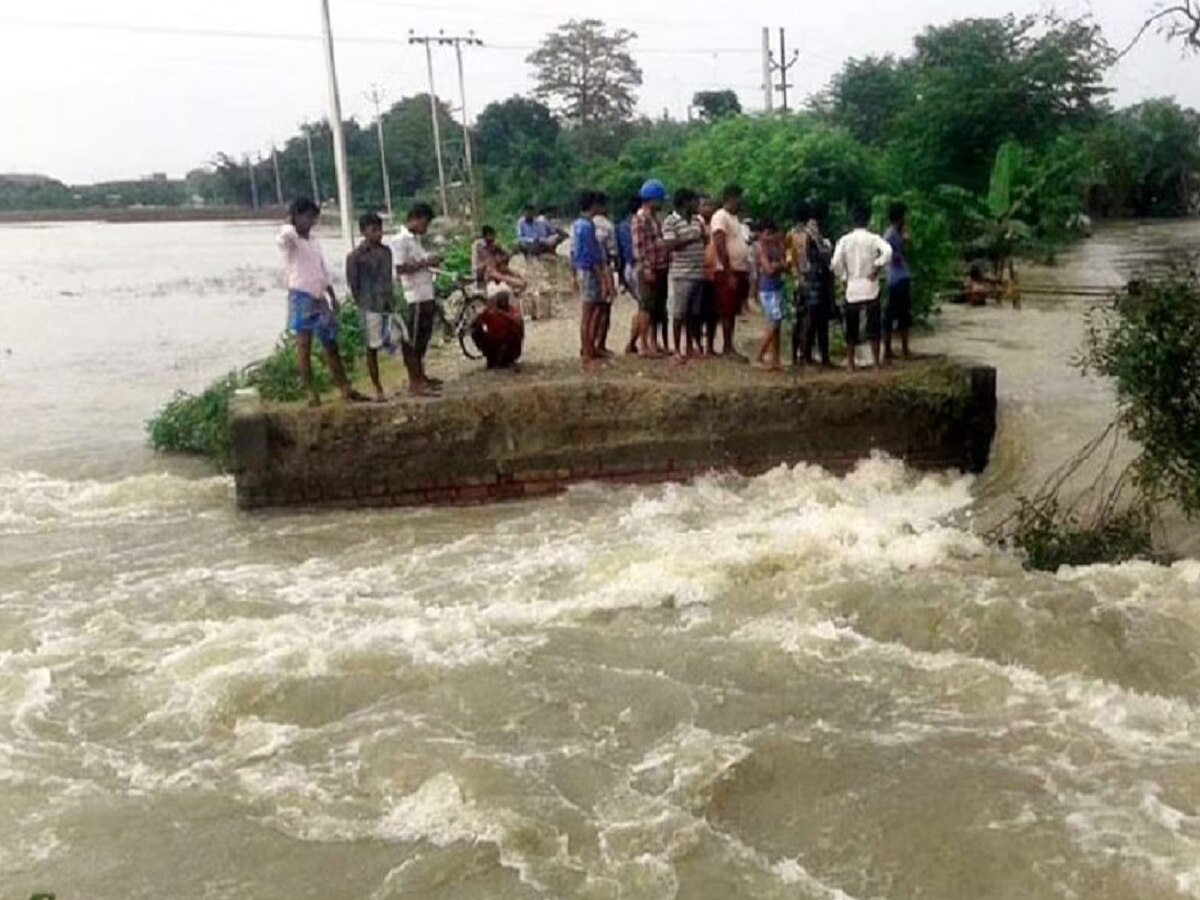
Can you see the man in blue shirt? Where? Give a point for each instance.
(625, 245)
(534, 234)
(587, 258)
(897, 315)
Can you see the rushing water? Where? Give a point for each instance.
(791, 686)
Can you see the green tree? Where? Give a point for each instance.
(1176, 21)
(981, 82)
(713, 105)
(867, 96)
(1148, 159)
(519, 149)
(587, 73)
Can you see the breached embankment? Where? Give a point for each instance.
(502, 437)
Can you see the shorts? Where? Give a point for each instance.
(854, 321)
(418, 327)
(687, 299)
(590, 288)
(652, 296)
(772, 305)
(731, 294)
(309, 315)
(378, 330)
(898, 314)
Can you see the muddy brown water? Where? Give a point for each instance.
(792, 686)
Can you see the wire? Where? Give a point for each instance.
(131, 28)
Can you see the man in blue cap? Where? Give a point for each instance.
(652, 261)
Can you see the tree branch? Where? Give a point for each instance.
(1189, 30)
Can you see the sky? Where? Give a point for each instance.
(95, 91)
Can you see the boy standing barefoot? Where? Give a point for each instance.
(369, 275)
(312, 304)
(771, 263)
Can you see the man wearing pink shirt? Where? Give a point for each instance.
(312, 304)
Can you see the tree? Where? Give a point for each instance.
(981, 82)
(516, 128)
(867, 95)
(517, 144)
(1175, 21)
(715, 105)
(1148, 159)
(586, 73)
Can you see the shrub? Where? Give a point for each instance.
(199, 423)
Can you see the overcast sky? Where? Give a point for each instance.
(92, 91)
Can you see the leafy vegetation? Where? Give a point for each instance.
(199, 423)
(1148, 341)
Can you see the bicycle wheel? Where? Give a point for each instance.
(470, 311)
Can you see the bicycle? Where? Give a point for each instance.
(457, 307)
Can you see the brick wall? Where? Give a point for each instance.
(526, 440)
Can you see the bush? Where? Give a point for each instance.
(1148, 340)
(1049, 537)
(199, 423)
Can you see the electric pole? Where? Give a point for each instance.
(471, 40)
(253, 184)
(376, 97)
(335, 122)
(312, 167)
(278, 181)
(433, 110)
(768, 90)
(782, 66)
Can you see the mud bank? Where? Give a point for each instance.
(503, 437)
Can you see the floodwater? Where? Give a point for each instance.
(793, 686)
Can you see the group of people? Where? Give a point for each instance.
(693, 272)
(372, 269)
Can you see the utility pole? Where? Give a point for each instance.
(376, 97)
(433, 110)
(768, 90)
(335, 122)
(471, 40)
(312, 167)
(253, 184)
(782, 67)
(278, 181)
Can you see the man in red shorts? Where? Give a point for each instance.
(731, 264)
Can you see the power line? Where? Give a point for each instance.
(177, 31)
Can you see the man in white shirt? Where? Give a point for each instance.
(859, 259)
(414, 268)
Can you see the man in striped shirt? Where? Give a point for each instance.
(683, 231)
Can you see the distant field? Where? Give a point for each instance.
(142, 214)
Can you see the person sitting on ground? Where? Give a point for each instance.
(772, 259)
(684, 233)
(858, 260)
(312, 303)
(535, 237)
(499, 332)
(482, 252)
(587, 259)
(977, 288)
(414, 266)
(499, 276)
(371, 282)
